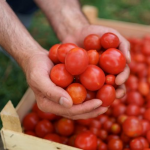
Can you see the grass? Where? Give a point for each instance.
(12, 79)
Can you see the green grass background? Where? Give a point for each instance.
(12, 79)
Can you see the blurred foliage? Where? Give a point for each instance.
(12, 79)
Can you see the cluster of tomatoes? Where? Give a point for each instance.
(90, 72)
(126, 124)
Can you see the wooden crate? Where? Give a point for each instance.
(12, 136)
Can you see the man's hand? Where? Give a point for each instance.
(124, 46)
(51, 98)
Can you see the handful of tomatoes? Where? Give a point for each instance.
(90, 72)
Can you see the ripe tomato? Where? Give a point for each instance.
(35, 107)
(125, 138)
(102, 118)
(115, 128)
(112, 61)
(143, 88)
(121, 118)
(140, 58)
(132, 127)
(110, 79)
(30, 121)
(111, 136)
(53, 53)
(76, 61)
(145, 48)
(72, 140)
(43, 127)
(85, 122)
(132, 110)
(93, 57)
(145, 126)
(94, 130)
(86, 140)
(63, 50)
(65, 127)
(92, 78)
(146, 115)
(136, 144)
(148, 136)
(77, 92)
(95, 123)
(92, 41)
(90, 95)
(144, 142)
(107, 125)
(107, 95)
(102, 134)
(53, 137)
(119, 110)
(115, 144)
(30, 133)
(79, 129)
(102, 146)
(60, 76)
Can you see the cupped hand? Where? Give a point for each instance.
(54, 99)
(124, 46)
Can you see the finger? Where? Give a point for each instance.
(123, 76)
(120, 91)
(92, 114)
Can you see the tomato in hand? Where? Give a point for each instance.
(30, 121)
(110, 79)
(76, 61)
(60, 76)
(112, 61)
(65, 127)
(53, 53)
(109, 40)
(92, 41)
(115, 144)
(93, 57)
(107, 95)
(63, 50)
(86, 140)
(77, 92)
(53, 137)
(43, 127)
(92, 78)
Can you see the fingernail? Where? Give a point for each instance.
(98, 103)
(129, 56)
(65, 102)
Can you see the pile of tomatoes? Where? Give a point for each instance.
(90, 72)
(126, 124)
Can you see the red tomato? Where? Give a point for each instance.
(90, 95)
(109, 40)
(119, 110)
(76, 61)
(148, 60)
(63, 50)
(85, 122)
(140, 58)
(92, 78)
(92, 41)
(77, 92)
(94, 130)
(115, 144)
(132, 110)
(30, 133)
(145, 48)
(132, 127)
(148, 136)
(147, 114)
(35, 107)
(115, 128)
(30, 121)
(125, 138)
(111, 136)
(93, 57)
(112, 61)
(86, 140)
(95, 123)
(53, 137)
(145, 126)
(143, 88)
(64, 140)
(107, 95)
(121, 118)
(72, 140)
(102, 134)
(65, 127)
(136, 144)
(107, 125)
(102, 118)
(134, 97)
(43, 127)
(60, 76)
(110, 79)
(144, 142)
(115, 103)
(53, 53)
(79, 129)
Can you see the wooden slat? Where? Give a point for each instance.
(10, 118)
(19, 141)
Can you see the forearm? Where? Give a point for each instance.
(65, 16)
(14, 38)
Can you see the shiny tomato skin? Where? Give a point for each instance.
(93, 57)
(43, 127)
(102, 146)
(143, 88)
(132, 127)
(94, 130)
(77, 92)
(121, 118)
(92, 41)
(115, 128)
(132, 110)
(92, 78)
(60, 76)
(53, 53)
(65, 127)
(102, 134)
(136, 144)
(102, 118)
(107, 95)
(146, 114)
(145, 126)
(86, 140)
(76, 61)
(144, 142)
(115, 144)
(107, 125)
(63, 50)
(109, 40)
(119, 110)
(112, 61)
(95, 123)
(52, 137)
(30, 121)
(90, 95)
(110, 79)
